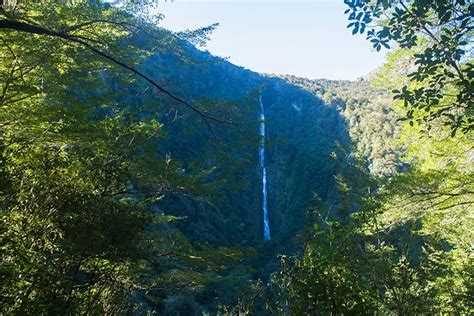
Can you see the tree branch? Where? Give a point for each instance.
(33, 29)
(430, 34)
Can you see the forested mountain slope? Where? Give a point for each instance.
(303, 128)
(133, 168)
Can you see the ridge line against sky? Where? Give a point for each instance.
(305, 38)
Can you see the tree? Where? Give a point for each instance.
(81, 172)
(397, 253)
(440, 33)
(83, 25)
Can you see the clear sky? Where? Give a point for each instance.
(306, 38)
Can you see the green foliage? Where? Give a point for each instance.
(408, 234)
(326, 279)
(81, 173)
(440, 33)
(115, 199)
(379, 261)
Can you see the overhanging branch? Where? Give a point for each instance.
(34, 29)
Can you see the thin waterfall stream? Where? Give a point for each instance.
(266, 222)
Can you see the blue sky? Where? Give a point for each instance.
(306, 38)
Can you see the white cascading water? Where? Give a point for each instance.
(266, 222)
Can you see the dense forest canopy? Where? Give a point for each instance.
(131, 168)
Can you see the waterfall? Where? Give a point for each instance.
(266, 222)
